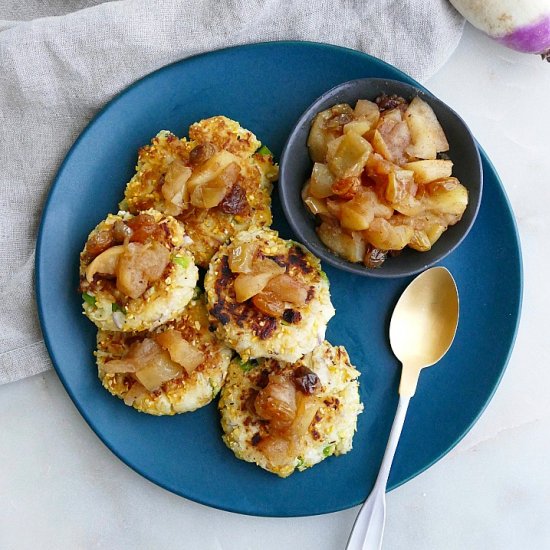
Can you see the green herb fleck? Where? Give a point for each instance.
(324, 276)
(328, 450)
(285, 323)
(89, 299)
(300, 462)
(247, 365)
(182, 261)
(263, 150)
(116, 307)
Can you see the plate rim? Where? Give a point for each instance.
(38, 278)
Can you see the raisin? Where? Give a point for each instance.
(121, 231)
(339, 120)
(143, 227)
(266, 328)
(292, 316)
(306, 380)
(201, 153)
(387, 102)
(99, 242)
(375, 257)
(256, 438)
(234, 201)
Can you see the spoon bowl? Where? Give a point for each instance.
(424, 323)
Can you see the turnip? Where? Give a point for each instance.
(523, 25)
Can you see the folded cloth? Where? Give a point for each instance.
(56, 72)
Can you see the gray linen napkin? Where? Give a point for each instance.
(57, 72)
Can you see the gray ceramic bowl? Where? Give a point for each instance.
(296, 165)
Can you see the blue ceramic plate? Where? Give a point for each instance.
(266, 87)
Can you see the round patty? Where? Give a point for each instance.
(325, 421)
(184, 393)
(254, 333)
(247, 199)
(163, 298)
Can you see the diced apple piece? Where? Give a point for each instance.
(409, 206)
(276, 449)
(379, 145)
(396, 138)
(360, 126)
(392, 114)
(368, 110)
(174, 188)
(319, 137)
(161, 369)
(434, 232)
(378, 170)
(180, 350)
(209, 194)
(402, 188)
(267, 265)
(241, 257)
(385, 236)
(316, 206)
(422, 221)
(379, 166)
(305, 413)
(447, 197)
(152, 260)
(119, 366)
(137, 391)
(430, 170)
(139, 265)
(321, 181)
(142, 352)
(334, 206)
(104, 264)
(288, 289)
(380, 209)
(441, 185)
(210, 169)
(250, 284)
(348, 156)
(349, 246)
(427, 135)
(399, 185)
(355, 215)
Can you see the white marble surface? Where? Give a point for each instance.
(61, 488)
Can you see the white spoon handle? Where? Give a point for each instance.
(368, 528)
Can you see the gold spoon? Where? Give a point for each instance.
(422, 329)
